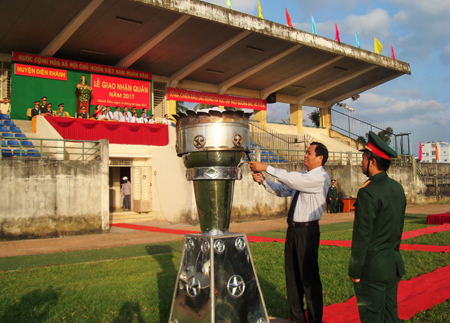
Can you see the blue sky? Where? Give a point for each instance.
(419, 30)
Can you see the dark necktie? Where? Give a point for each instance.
(290, 218)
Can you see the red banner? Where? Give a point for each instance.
(116, 91)
(74, 65)
(42, 72)
(215, 99)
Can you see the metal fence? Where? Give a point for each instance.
(268, 138)
(51, 149)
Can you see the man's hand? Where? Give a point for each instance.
(258, 177)
(257, 166)
(356, 281)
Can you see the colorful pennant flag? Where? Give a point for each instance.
(377, 45)
(288, 19)
(437, 152)
(338, 39)
(313, 26)
(420, 151)
(392, 52)
(357, 40)
(259, 11)
(229, 4)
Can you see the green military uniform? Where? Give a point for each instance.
(377, 231)
(332, 197)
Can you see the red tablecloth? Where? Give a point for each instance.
(438, 218)
(115, 132)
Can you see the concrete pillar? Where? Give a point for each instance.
(172, 107)
(321, 117)
(260, 115)
(327, 120)
(296, 113)
(104, 209)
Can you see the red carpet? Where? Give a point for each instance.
(414, 295)
(428, 230)
(151, 229)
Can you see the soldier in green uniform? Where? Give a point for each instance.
(332, 196)
(376, 265)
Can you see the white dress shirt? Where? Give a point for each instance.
(313, 186)
(117, 115)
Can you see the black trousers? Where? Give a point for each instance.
(302, 273)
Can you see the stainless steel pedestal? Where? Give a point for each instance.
(217, 281)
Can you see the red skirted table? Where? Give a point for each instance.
(438, 218)
(116, 132)
(349, 204)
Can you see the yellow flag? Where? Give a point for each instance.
(259, 11)
(378, 46)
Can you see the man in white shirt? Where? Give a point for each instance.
(152, 119)
(127, 114)
(308, 191)
(109, 114)
(117, 114)
(166, 120)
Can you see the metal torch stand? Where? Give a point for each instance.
(217, 281)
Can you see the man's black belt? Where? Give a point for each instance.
(303, 224)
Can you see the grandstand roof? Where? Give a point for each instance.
(196, 45)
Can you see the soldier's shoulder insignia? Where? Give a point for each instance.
(365, 184)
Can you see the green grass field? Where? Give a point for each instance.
(136, 283)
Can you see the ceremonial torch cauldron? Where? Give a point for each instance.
(216, 279)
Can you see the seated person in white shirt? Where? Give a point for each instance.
(102, 116)
(109, 114)
(117, 115)
(134, 118)
(124, 117)
(166, 120)
(128, 114)
(152, 119)
(141, 119)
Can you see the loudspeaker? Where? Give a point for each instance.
(272, 98)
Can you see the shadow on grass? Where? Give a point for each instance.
(130, 312)
(416, 218)
(275, 301)
(166, 280)
(32, 307)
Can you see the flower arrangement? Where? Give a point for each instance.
(85, 94)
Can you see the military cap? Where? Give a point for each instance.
(333, 180)
(37, 102)
(44, 98)
(49, 105)
(61, 105)
(377, 146)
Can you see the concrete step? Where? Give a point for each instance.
(24, 125)
(128, 217)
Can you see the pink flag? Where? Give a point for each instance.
(392, 51)
(338, 39)
(420, 151)
(288, 19)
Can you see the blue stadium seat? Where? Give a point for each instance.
(27, 143)
(13, 143)
(4, 129)
(4, 143)
(4, 116)
(7, 135)
(9, 123)
(33, 153)
(6, 153)
(14, 129)
(20, 135)
(18, 152)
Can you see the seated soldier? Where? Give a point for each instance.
(43, 106)
(61, 112)
(83, 114)
(36, 110)
(49, 111)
